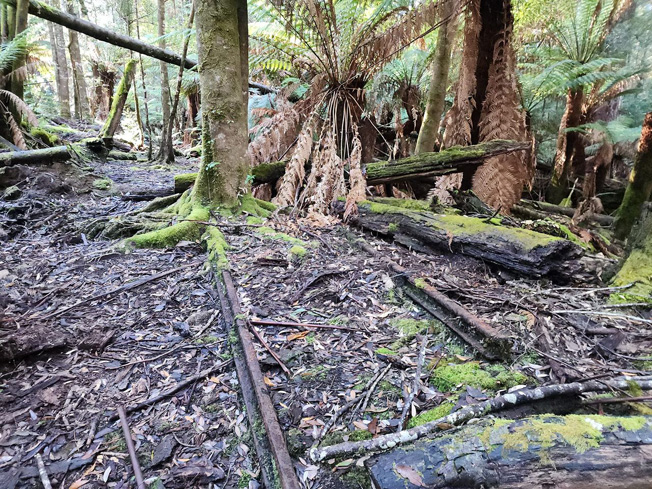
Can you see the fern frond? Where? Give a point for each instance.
(17, 104)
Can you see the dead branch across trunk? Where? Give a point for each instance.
(532, 452)
(35, 157)
(540, 210)
(522, 251)
(46, 12)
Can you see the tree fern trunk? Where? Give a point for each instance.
(566, 145)
(60, 69)
(639, 188)
(20, 25)
(224, 164)
(439, 80)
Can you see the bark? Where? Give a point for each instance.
(20, 25)
(528, 453)
(166, 151)
(82, 110)
(11, 21)
(191, 115)
(521, 251)
(224, 165)
(119, 99)
(439, 81)
(566, 143)
(639, 187)
(4, 26)
(142, 80)
(61, 69)
(177, 93)
(103, 92)
(35, 157)
(505, 401)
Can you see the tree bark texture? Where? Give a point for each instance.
(439, 81)
(528, 453)
(639, 187)
(119, 99)
(224, 165)
(35, 157)
(166, 151)
(142, 80)
(20, 26)
(521, 251)
(60, 69)
(566, 142)
(82, 110)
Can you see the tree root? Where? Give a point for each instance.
(384, 442)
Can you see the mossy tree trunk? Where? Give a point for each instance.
(439, 81)
(566, 144)
(79, 82)
(142, 81)
(20, 24)
(119, 99)
(639, 187)
(166, 151)
(224, 164)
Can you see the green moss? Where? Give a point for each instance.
(44, 136)
(207, 339)
(59, 129)
(359, 435)
(420, 283)
(167, 237)
(388, 387)
(102, 184)
(637, 269)
(184, 181)
(121, 155)
(393, 227)
(411, 327)
(255, 220)
(415, 205)
(216, 246)
(310, 339)
(319, 372)
(356, 477)
(385, 351)
(298, 251)
(254, 207)
(270, 233)
(444, 409)
(447, 376)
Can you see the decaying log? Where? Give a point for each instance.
(36, 156)
(484, 338)
(564, 452)
(518, 250)
(472, 411)
(52, 14)
(544, 208)
(452, 160)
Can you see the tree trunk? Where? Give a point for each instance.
(82, 110)
(439, 81)
(4, 26)
(20, 25)
(224, 164)
(177, 93)
(566, 142)
(142, 80)
(60, 68)
(11, 22)
(191, 115)
(561, 452)
(166, 151)
(639, 187)
(119, 99)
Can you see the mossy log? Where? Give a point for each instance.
(265, 173)
(119, 99)
(35, 157)
(518, 250)
(575, 451)
(545, 207)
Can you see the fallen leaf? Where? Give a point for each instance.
(78, 483)
(410, 474)
(298, 336)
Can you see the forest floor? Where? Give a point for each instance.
(85, 328)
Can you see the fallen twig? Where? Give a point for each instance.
(362, 405)
(467, 413)
(271, 352)
(181, 385)
(416, 384)
(290, 324)
(616, 400)
(42, 472)
(140, 483)
(606, 314)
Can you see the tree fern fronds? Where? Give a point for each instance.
(15, 103)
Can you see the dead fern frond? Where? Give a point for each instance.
(15, 103)
(295, 170)
(357, 180)
(16, 131)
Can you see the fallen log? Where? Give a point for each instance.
(575, 451)
(36, 156)
(546, 208)
(469, 412)
(46, 12)
(525, 252)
